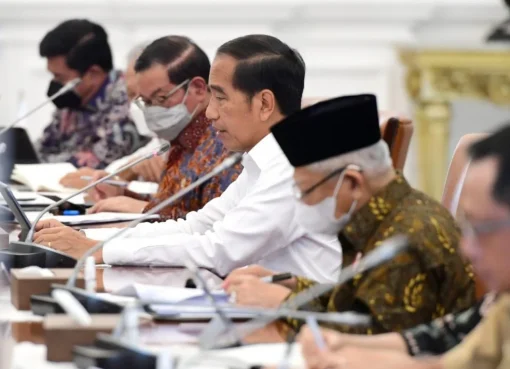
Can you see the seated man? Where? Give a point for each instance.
(484, 209)
(346, 185)
(256, 80)
(172, 75)
(91, 126)
(148, 170)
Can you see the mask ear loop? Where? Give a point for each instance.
(339, 184)
(184, 99)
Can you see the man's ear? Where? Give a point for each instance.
(356, 182)
(198, 87)
(267, 102)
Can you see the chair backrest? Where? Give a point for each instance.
(454, 182)
(457, 166)
(397, 133)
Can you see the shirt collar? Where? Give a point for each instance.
(190, 136)
(263, 152)
(366, 221)
(95, 102)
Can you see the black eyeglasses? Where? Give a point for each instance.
(300, 194)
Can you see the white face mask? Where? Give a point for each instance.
(168, 123)
(320, 218)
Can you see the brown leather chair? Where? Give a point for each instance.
(457, 166)
(397, 133)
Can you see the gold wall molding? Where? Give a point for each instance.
(434, 79)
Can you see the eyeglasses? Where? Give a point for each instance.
(160, 100)
(300, 194)
(470, 229)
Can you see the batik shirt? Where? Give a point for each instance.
(420, 284)
(446, 332)
(99, 133)
(194, 153)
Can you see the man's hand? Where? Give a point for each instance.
(48, 223)
(103, 191)
(351, 357)
(259, 272)
(73, 180)
(249, 290)
(334, 341)
(68, 241)
(151, 169)
(119, 204)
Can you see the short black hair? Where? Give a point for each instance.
(82, 42)
(185, 60)
(265, 62)
(496, 145)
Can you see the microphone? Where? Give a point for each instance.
(68, 86)
(385, 252)
(227, 163)
(162, 149)
(40, 304)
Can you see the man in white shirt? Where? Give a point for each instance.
(256, 81)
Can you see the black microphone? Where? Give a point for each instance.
(386, 251)
(162, 149)
(90, 299)
(67, 87)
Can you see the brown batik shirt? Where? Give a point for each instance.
(427, 281)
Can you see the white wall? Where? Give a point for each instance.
(348, 45)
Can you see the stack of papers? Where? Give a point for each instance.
(43, 177)
(171, 295)
(90, 219)
(28, 199)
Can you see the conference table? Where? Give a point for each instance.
(22, 335)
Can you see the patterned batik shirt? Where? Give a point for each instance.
(443, 334)
(99, 133)
(194, 153)
(425, 282)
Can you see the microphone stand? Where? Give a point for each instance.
(42, 305)
(25, 253)
(68, 86)
(386, 251)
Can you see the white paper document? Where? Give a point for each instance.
(265, 355)
(28, 199)
(43, 177)
(87, 219)
(170, 295)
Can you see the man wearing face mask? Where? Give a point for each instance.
(345, 184)
(91, 126)
(172, 74)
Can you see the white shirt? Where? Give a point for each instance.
(252, 222)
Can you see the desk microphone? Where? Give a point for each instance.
(41, 305)
(385, 252)
(162, 149)
(68, 86)
(226, 164)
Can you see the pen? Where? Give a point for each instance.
(316, 332)
(276, 278)
(109, 181)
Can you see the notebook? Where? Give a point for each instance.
(43, 177)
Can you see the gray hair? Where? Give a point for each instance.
(375, 160)
(136, 51)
